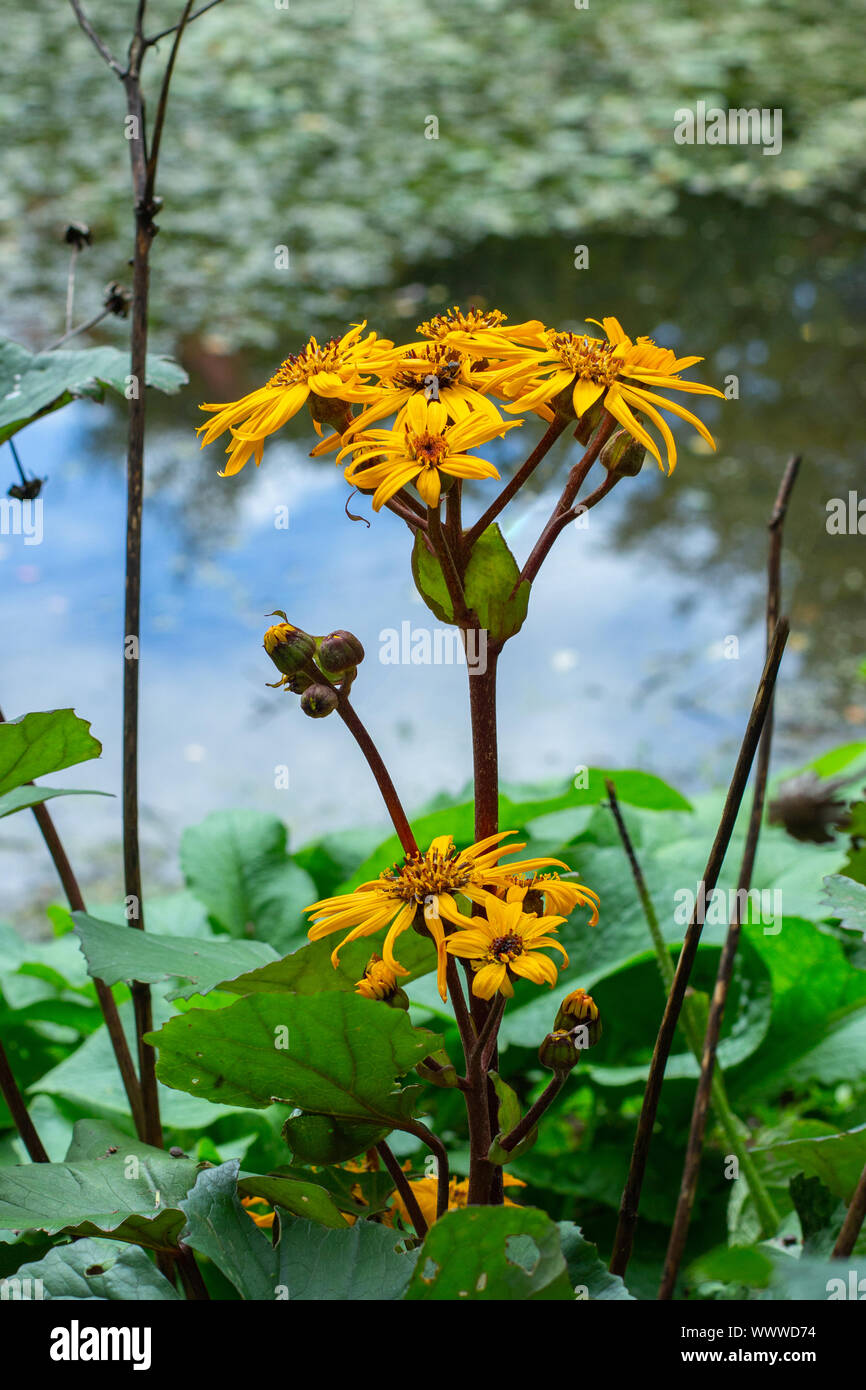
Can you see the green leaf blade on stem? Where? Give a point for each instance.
(99, 1269)
(491, 1253)
(42, 742)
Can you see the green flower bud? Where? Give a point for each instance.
(558, 1052)
(589, 421)
(319, 700)
(289, 647)
(339, 652)
(622, 455)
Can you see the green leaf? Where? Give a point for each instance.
(837, 1159)
(588, 1275)
(23, 797)
(43, 742)
(360, 1263)
(99, 1269)
(308, 970)
(821, 1214)
(321, 1139)
(491, 1253)
(816, 1280)
(34, 384)
(735, 1265)
(333, 1054)
(305, 1199)
(236, 863)
(116, 954)
(492, 586)
(134, 1194)
(508, 1115)
(847, 901)
(430, 581)
(219, 1227)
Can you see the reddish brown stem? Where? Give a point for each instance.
(524, 472)
(18, 1111)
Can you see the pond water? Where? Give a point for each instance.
(625, 658)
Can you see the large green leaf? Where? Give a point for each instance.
(21, 798)
(837, 1159)
(305, 1199)
(43, 742)
(334, 1054)
(309, 970)
(589, 1276)
(237, 864)
(219, 1227)
(430, 581)
(99, 1269)
(492, 586)
(360, 1263)
(847, 901)
(133, 1194)
(116, 953)
(322, 1139)
(35, 383)
(491, 1253)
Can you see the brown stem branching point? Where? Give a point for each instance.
(703, 1094)
(403, 1186)
(18, 1110)
(398, 816)
(562, 513)
(524, 472)
(628, 1214)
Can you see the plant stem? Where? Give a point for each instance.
(18, 1111)
(485, 759)
(104, 995)
(399, 820)
(631, 1195)
(524, 472)
(767, 1213)
(403, 1186)
(535, 1112)
(450, 573)
(562, 514)
(728, 1121)
(194, 1285)
(853, 1221)
(436, 1147)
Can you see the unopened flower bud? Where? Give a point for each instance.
(289, 647)
(319, 700)
(623, 456)
(589, 421)
(380, 982)
(559, 1052)
(78, 234)
(579, 1011)
(330, 410)
(339, 652)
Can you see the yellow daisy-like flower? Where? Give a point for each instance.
(323, 375)
(429, 372)
(421, 451)
(618, 372)
(543, 893)
(482, 331)
(426, 1192)
(423, 884)
(378, 982)
(509, 942)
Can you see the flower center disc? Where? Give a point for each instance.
(505, 948)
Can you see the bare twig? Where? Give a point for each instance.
(631, 1196)
(697, 1131)
(162, 105)
(101, 48)
(81, 328)
(155, 38)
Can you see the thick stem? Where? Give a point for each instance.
(401, 1182)
(631, 1195)
(485, 757)
(18, 1111)
(383, 780)
(437, 1148)
(194, 1285)
(535, 1112)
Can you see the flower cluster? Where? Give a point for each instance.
(441, 394)
(517, 910)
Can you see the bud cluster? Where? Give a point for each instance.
(316, 668)
(577, 1026)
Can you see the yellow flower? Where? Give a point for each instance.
(326, 376)
(262, 1219)
(550, 893)
(379, 980)
(430, 372)
(509, 942)
(482, 332)
(426, 1192)
(422, 888)
(618, 372)
(420, 452)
